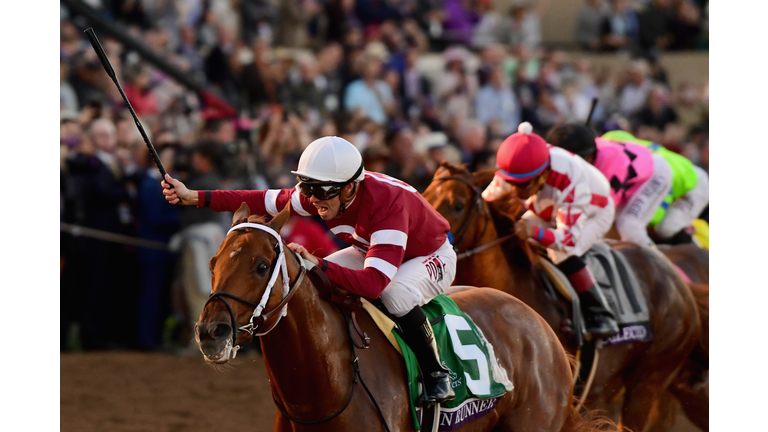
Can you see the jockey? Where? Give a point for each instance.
(399, 249)
(687, 197)
(639, 179)
(569, 209)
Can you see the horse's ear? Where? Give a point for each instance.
(443, 170)
(242, 213)
(480, 178)
(281, 218)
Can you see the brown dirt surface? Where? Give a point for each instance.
(120, 391)
(129, 391)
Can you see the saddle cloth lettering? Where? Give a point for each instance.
(477, 378)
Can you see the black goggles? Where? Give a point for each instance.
(322, 191)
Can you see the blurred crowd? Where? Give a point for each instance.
(411, 83)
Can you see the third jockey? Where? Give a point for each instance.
(399, 249)
(569, 209)
(687, 197)
(639, 179)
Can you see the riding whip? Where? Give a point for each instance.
(111, 72)
(591, 110)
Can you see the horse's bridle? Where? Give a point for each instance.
(476, 204)
(258, 318)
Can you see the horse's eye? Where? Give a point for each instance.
(262, 268)
(459, 207)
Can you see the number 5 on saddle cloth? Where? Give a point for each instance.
(477, 379)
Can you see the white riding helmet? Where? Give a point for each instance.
(331, 159)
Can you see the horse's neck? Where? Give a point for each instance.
(504, 266)
(308, 353)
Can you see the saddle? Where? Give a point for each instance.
(618, 283)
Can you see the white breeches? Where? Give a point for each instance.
(633, 217)
(684, 210)
(416, 282)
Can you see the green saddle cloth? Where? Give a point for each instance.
(477, 379)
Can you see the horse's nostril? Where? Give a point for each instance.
(220, 331)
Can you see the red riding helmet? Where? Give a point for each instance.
(523, 155)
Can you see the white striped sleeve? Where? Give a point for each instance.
(270, 201)
(379, 264)
(296, 203)
(389, 236)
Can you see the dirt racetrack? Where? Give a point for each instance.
(127, 391)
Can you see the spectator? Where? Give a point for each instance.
(690, 111)
(657, 112)
(416, 87)
(138, 90)
(371, 12)
(492, 28)
(459, 21)
(159, 223)
(635, 93)
(588, 24)
(685, 25)
(329, 60)
(456, 88)
(620, 28)
(291, 24)
(257, 16)
(405, 164)
(433, 145)
(307, 97)
(654, 24)
(340, 16)
(549, 110)
(472, 140)
(88, 80)
(218, 64)
(526, 24)
(369, 94)
(202, 232)
(98, 201)
(496, 101)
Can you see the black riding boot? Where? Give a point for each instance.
(598, 317)
(681, 237)
(417, 333)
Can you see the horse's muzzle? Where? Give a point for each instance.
(215, 340)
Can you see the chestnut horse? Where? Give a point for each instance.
(631, 378)
(314, 367)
